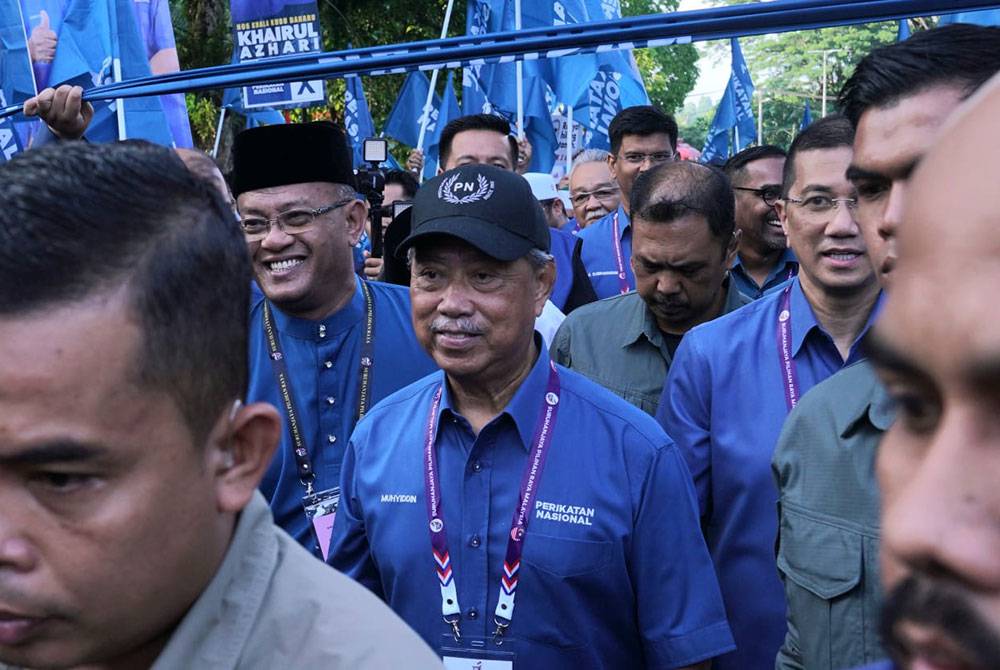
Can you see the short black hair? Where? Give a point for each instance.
(735, 167)
(960, 55)
(833, 132)
(641, 120)
(406, 181)
(82, 219)
(497, 124)
(693, 187)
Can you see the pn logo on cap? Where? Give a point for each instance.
(457, 192)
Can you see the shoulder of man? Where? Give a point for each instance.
(337, 621)
(603, 313)
(735, 328)
(601, 226)
(387, 412)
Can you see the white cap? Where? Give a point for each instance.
(543, 186)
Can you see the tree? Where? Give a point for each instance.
(669, 73)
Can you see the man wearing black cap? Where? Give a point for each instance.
(335, 343)
(615, 572)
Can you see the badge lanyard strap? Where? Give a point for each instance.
(616, 243)
(504, 612)
(302, 465)
(789, 376)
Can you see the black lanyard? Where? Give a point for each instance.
(305, 470)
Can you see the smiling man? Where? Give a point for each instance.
(132, 534)
(338, 343)
(604, 554)
(734, 380)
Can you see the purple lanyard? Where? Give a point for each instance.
(788, 374)
(616, 242)
(450, 609)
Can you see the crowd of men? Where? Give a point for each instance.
(684, 416)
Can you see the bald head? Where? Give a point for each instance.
(202, 166)
(937, 348)
(668, 190)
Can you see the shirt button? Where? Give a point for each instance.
(331, 438)
(328, 364)
(473, 613)
(474, 542)
(477, 466)
(330, 400)
(322, 331)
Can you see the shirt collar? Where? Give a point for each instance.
(786, 261)
(804, 319)
(308, 329)
(524, 407)
(868, 402)
(623, 221)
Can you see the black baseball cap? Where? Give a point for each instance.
(490, 208)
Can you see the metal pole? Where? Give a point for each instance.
(825, 53)
(569, 139)
(519, 71)
(425, 117)
(218, 133)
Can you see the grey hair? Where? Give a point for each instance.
(590, 156)
(536, 257)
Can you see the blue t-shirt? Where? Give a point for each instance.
(599, 255)
(724, 405)
(323, 359)
(615, 572)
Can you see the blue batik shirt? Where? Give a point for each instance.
(724, 405)
(323, 359)
(600, 257)
(615, 572)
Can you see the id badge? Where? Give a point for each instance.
(474, 653)
(321, 510)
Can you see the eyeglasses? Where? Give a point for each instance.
(823, 204)
(769, 195)
(581, 198)
(636, 158)
(292, 222)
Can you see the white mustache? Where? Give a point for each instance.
(464, 326)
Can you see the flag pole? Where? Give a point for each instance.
(116, 65)
(569, 139)
(519, 69)
(218, 133)
(425, 117)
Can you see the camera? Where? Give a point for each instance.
(371, 184)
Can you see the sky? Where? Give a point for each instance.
(713, 74)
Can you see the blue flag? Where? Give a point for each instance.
(232, 100)
(403, 123)
(16, 81)
(482, 16)
(357, 118)
(92, 38)
(538, 125)
(904, 30)
(734, 114)
(449, 110)
(807, 117)
(984, 17)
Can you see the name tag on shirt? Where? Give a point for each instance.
(480, 654)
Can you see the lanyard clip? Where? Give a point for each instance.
(456, 633)
(498, 633)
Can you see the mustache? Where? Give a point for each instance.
(466, 326)
(943, 607)
(596, 214)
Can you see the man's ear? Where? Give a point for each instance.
(781, 208)
(612, 164)
(546, 277)
(239, 451)
(357, 215)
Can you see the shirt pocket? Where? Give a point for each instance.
(821, 566)
(565, 557)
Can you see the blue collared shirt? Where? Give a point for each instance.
(599, 257)
(561, 247)
(724, 405)
(615, 572)
(787, 265)
(323, 359)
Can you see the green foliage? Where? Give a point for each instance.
(669, 73)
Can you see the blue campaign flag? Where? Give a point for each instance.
(403, 123)
(92, 37)
(232, 100)
(807, 117)
(16, 81)
(984, 17)
(357, 118)
(449, 110)
(538, 125)
(904, 30)
(482, 16)
(734, 114)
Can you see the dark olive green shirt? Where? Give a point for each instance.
(828, 530)
(616, 343)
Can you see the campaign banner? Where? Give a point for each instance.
(274, 28)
